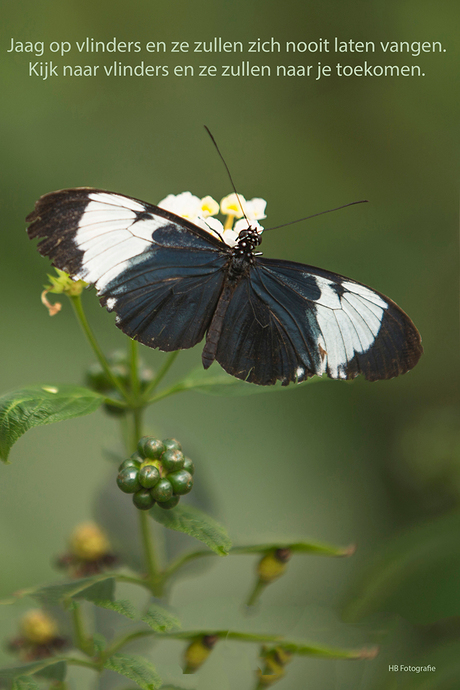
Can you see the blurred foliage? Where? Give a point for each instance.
(339, 462)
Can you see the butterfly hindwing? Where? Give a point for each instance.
(298, 321)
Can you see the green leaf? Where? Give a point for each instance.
(88, 588)
(160, 620)
(37, 405)
(314, 548)
(215, 381)
(135, 668)
(46, 668)
(424, 558)
(99, 642)
(24, 683)
(121, 606)
(195, 523)
(56, 671)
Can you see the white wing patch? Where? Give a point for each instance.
(111, 236)
(349, 323)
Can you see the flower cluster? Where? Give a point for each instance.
(202, 212)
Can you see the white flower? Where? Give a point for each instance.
(209, 207)
(200, 212)
(186, 205)
(232, 204)
(255, 209)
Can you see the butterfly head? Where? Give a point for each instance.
(248, 240)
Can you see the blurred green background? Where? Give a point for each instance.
(372, 464)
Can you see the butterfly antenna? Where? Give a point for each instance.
(321, 213)
(228, 173)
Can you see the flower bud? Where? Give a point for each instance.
(198, 651)
(88, 542)
(38, 628)
(275, 661)
(273, 565)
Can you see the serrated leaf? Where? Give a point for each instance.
(56, 671)
(160, 620)
(195, 523)
(135, 668)
(24, 683)
(121, 606)
(215, 381)
(46, 668)
(314, 548)
(88, 588)
(34, 406)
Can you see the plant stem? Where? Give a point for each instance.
(256, 592)
(82, 640)
(81, 317)
(126, 639)
(161, 374)
(153, 569)
(134, 367)
(182, 560)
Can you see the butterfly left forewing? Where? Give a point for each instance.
(161, 274)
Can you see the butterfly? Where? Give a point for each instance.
(171, 283)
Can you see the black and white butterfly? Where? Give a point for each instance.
(171, 282)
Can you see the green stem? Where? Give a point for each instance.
(256, 592)
(131, 580)
(82, 640)
(134, 367)
(81, 317)
(79, 662)
(126, 639)
(166, 392)
(182, 560)
(153, 569)
(161, 374)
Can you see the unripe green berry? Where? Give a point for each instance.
(162, 491)
(149, 476)
(152, 448)
(128, 480)
(143, 499)
(182, 482)
(171, 503)
(129, 463)
(172, 444)
(172, 460)
(137, 457)
(189, 466)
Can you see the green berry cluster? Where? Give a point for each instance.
(158, 472)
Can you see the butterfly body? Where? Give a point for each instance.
(171, 283)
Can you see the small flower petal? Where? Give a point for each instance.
(231, 205)
(255, 209)
(186, 205)
(209, 207)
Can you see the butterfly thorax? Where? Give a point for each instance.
(243, 252)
